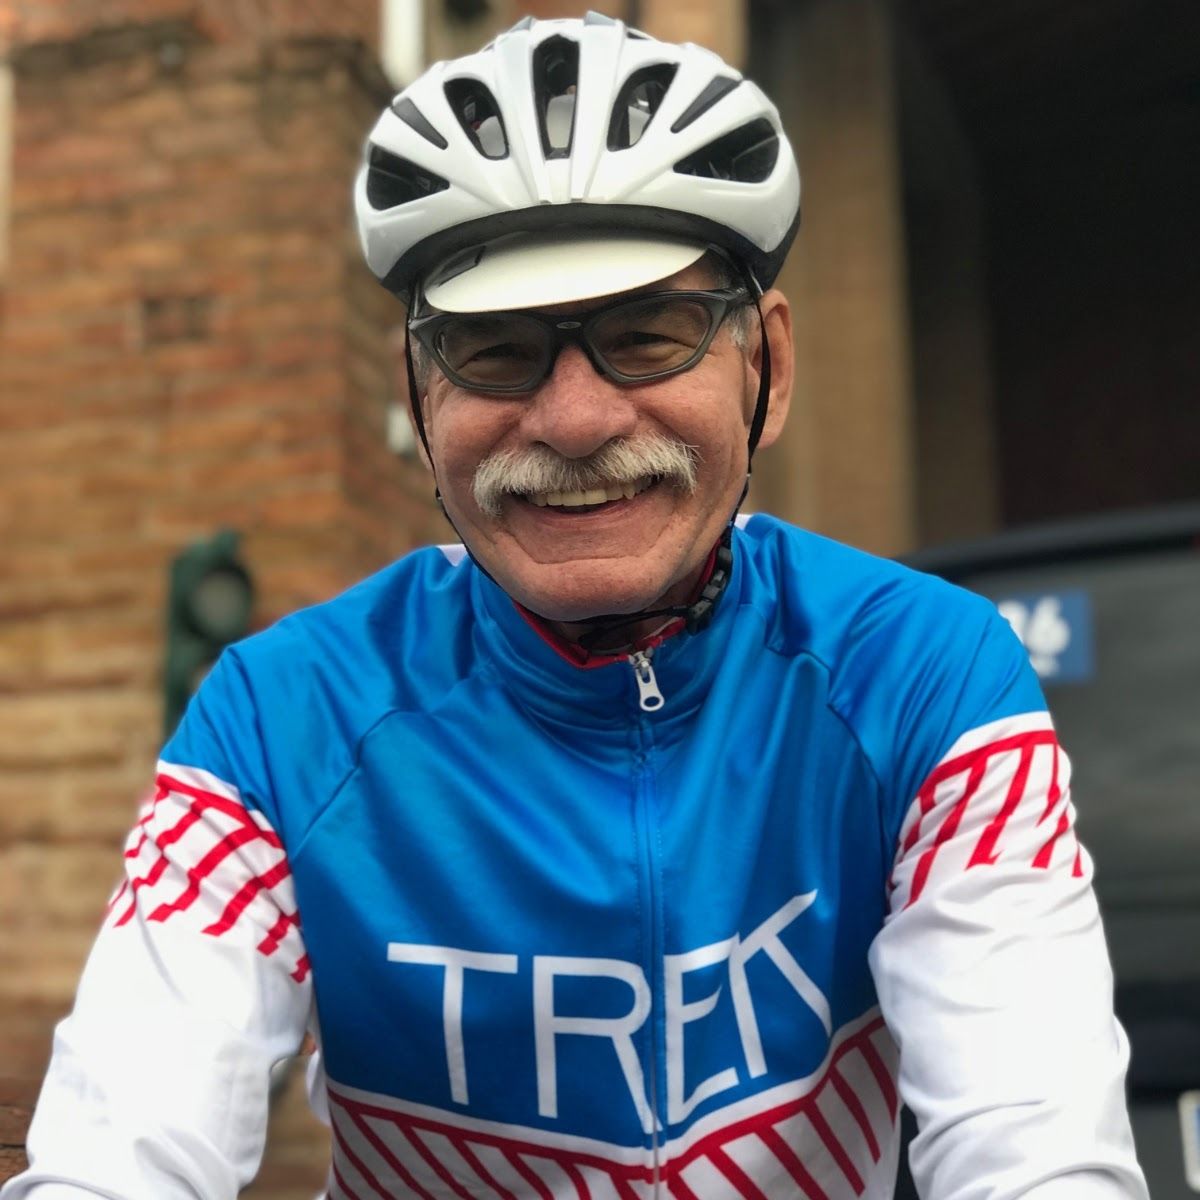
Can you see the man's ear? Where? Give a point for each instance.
(396, 343)
(777, 328)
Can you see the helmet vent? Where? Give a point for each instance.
(746, 155)
(392, 180)
(478, 113)
(412, 116)
(718, 86)
(555, 77)
(637, 102)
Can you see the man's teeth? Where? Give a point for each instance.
(616, 491)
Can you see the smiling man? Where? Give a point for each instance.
(628, 848)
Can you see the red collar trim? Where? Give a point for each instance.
(577, 656)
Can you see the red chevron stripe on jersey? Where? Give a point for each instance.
(833, 1140)
(197, 850)
(989, 800)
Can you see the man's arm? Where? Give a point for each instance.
(197, 984)
(994, 979)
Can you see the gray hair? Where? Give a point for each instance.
(726, 274)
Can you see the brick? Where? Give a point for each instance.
(25, 1034)
(142, 258)
(239, 60)
(300, 585)
(76, 444)
(39, 580)
(54, 805)
(177, 521)
(320, 273)
(218, 139)
(223, 97)
(69, 230)
(310, 414)
(67, 296)
(70, 522)
(271, 315)
(22, 651)
(73, 150)
(63, 393)
(102, 805)
(37, 809)
(199, 398)
(124, 650)
(154, 108)
(314, 504)
(43, 964)
(64, 886)
(92, 730)
(298, 351)
(266, 480)
(198, 358)
(12, 1161)
(74, 190)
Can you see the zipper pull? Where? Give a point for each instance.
(649, 697)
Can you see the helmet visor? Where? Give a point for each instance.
(538, 270)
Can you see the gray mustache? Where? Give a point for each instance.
(541, 469)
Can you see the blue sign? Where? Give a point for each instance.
(1056, 629)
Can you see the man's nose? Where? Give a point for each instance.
(577, 410)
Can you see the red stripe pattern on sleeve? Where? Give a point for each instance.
(197, 853)
(1001, 795)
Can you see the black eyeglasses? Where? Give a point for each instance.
(631, 341)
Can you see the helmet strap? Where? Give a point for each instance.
(414, 403)
(764, 383)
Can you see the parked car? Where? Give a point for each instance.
(1109, 609)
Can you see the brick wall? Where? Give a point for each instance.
(27, 22)
(187, 340)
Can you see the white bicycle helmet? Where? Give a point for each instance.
(580, 128)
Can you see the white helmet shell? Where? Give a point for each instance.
(576, 126)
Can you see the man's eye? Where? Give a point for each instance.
(633, 339)
(487, 352)
(499, 350)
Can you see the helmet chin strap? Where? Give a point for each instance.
(695, 615)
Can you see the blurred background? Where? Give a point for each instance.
(997, 289)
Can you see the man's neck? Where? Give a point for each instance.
(623, 637)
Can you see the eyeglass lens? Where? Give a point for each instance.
(636, 340)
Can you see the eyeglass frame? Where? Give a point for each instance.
(567, 329)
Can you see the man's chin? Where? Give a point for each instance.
(571, 593)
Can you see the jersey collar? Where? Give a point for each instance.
(560, 680)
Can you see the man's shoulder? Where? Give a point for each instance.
(913, 662)
(425, 588)
(322, 677)
(827, 596)
(398, 639)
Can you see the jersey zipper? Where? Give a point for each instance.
(650, 699)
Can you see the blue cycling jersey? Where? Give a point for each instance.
(559, 946)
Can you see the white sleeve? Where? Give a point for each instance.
(197, 984)
(994, 978)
